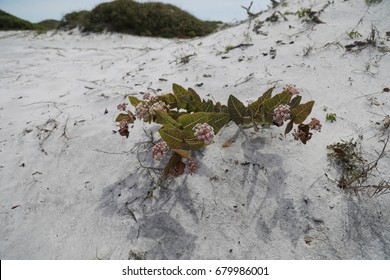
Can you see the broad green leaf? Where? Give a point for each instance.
(295, 101)
(218, 120)
(134, 101)
(255, 106)
(279, 99)
(166, 120)
(169, 99)
(175, 166)
(123, 117)
(183, 153)
(217, 107)
(190, 120)
(224, 109)
(179, 92)
(206, 106)
(192, 105)
(173, 137)
(237, 110)
(289, 127)
(194, 144)
(194, 95)
(301, 112)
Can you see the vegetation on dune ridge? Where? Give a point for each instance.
(145, 19)
(10, 22)
(49, 24)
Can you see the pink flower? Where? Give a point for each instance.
(204, 132)
(122, 107)
(158, 106)
(192, 166)
(159, 150)
(281, 114)
(291, 89)
(142, 111)
(302, 133)
(124, 129)
(146, 109)
(315, 124)
(123, 124)
(146, 96)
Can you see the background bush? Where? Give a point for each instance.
(145, 19)
(10, 22)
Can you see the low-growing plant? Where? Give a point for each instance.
(356, 173)
(331, 117)
(305, 12)
(354, 34)
(190, 123)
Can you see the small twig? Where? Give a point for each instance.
(283, 16)
(65, 131)
(111, 153)
(244, 80)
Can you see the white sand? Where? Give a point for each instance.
(72, 189)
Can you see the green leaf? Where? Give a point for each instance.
(195, 97)
(218, 120)
(289, 127)
(125, 117)
(192, 105)
(169, 99)
(190, 120)
(194, 144)
(179, 92)
(166, 120)
(255, 106)
(173, 137)
(237, 110)
(206, 106)
(134, 101)
(183, 153)
(301, 112)
(175, 166)
(217, 107)
(279, 99)
(295, 101)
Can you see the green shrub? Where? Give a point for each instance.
(189, 123)
(10, 22)
(147, 19)
(73, 20)
(49, 24)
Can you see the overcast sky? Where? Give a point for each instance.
(38, 10)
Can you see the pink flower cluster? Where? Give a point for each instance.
(281, 114)
(303, 132)
(142, 111)
(122, 107)
(149, 107)
(192, 166)
(158, 106)
(315, 124)
(301, 135)
(204, 132)
(124, 129)
(291, 89)
(146, 96)
(159, 150)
